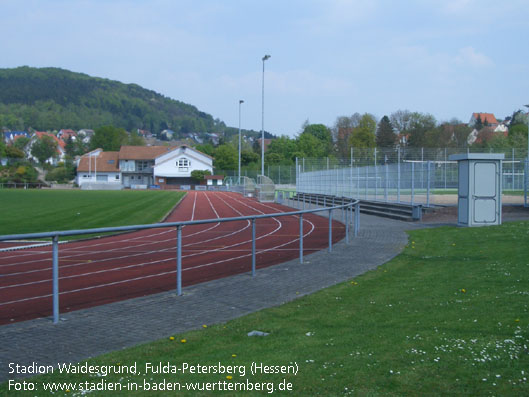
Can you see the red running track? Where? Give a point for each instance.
(100, 271)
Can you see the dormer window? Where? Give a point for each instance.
(183, 165)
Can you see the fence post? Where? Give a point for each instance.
(55, 271)
(179, 260)
(253, 247)
(357, 182)
(367, 178)
(346, 209)
(357, 219)
(398, 175)
(412, 182)
(376, 178)
(428, 184)
(330, 230)
(445, 167)
(386, 184)
(300, 238)
(526, 181)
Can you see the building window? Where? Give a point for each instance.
(143, 165)
(183, 165)
(117, 177)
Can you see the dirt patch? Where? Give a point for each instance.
(448, 214)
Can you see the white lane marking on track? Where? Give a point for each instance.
(170, 272)
(122, 248)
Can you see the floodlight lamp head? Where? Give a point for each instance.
(241, 101)
(266, 57)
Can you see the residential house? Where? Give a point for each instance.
(485, 134)
(487, 119)
(11, 136)
(99, 168)
(85, 135)
(61, 147)
(139, 167)
(65, 134)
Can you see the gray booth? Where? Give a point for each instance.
(479, 192)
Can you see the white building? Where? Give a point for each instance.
(138, 167)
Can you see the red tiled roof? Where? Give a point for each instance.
(486, 118)
(143, 152)
(104, 162)
(60, 142)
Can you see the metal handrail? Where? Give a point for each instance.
(347, 208)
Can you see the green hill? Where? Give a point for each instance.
(52, 98)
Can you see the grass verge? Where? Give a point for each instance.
(31, 211)
(449, 316)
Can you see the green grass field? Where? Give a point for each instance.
(448, 316)
(30, 211)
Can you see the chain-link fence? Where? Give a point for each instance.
(408, 175)
(279, 174)
(416, 176)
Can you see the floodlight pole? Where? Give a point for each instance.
(262, 119)
(240, 103)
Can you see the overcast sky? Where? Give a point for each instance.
(328, 58)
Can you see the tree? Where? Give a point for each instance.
(206, 148)
(249, 157)
(285, 148)
(322, 134)
(199, 175)
(363, 136)
(44, 148)
(478, 125)
(385, 135)
(311, 146)
(135, 139)
(419, 125)
(2, 148)
(342, 130)
(226, 158)
(13, 152)
(401, 120)
(109, 138)
(21, 142)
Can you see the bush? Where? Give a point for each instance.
(59, 174)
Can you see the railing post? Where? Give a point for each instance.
(300, 238)
(343, 210)
(253, 247)
(179, 260)
(55, 271)
(330, 230)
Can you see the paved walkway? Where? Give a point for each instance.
(91, 332)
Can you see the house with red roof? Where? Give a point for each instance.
(61, 147)
(487, 119)
(65, 134)
(138, 167)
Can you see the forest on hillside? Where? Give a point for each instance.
(53, 98)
